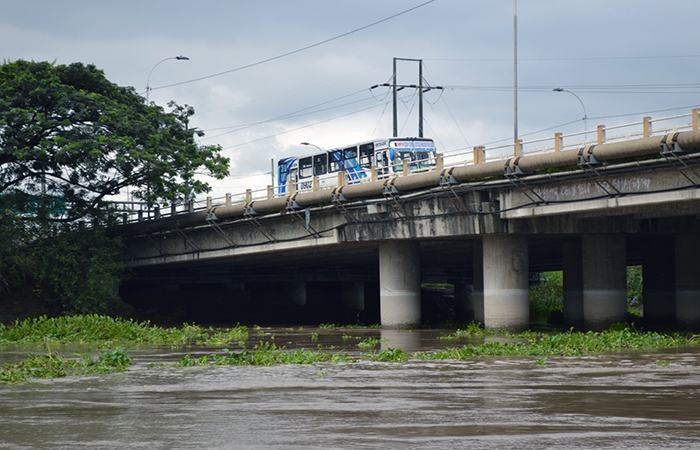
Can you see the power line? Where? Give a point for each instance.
(297, 50)
(301, 128)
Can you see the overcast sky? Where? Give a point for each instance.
(624, 59)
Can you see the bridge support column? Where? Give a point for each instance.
(604, 280)
(399, 284)
(296, 290)
(506, 282)
(687, 282)
(573, 283)
(354, 295)
(658, 273)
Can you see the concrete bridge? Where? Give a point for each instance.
(485, 224)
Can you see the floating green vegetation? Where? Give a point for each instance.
(265, 354)
(333, 326)
(472, 329)
(564, 344)
(389, 355)
(93, 328)
(54, 365)
(370, 342)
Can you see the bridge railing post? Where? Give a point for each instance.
(518, 148)
(156, 212)
(479, 154)
(439, 162)
(190, 206)
(270, 192)
(248, 195)
(228, 199)
(601, 134)
(558, 142)
(373, 173)
(647, 126)
(696, 118)
(173, 209)
(405, 168)
(208, 203)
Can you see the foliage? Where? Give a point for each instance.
(93, 328)
(76, 268)
(547, 297)
(634, 286)
(67, 132)
(54, 365)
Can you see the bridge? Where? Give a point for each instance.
(485, 221)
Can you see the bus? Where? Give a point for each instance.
(386, 155)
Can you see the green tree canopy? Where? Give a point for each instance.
(67, 133)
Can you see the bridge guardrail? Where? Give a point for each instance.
(137, 211)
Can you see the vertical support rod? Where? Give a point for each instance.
(420, 98)
(396, 123)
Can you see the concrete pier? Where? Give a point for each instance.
(604, 280)
(506, 282)
(296, 291)
(572, 272)
(658, 269)
(399, 284)
(354, 295)
(687, 282)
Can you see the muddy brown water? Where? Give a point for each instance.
(647, 400)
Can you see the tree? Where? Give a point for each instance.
(69, 138)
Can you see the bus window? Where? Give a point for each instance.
(366, 155)
(350, 158)
(305, 167)
(336, 161)
(321, 164)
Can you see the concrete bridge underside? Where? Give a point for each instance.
(486, 237)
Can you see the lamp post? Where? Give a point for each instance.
(148, 81)
(312, 145)
(585, 116)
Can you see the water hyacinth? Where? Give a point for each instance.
(93, 328)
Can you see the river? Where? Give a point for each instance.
(642, 401)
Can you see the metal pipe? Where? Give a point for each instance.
(689, 141)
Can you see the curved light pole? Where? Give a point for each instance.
(312, 145)
(585, 116)
(148, 81)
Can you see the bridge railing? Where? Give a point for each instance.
(135, 211)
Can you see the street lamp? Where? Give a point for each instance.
(585, 116)
(148, 86)
(306, 143)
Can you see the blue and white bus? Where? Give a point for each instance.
(387, 156)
